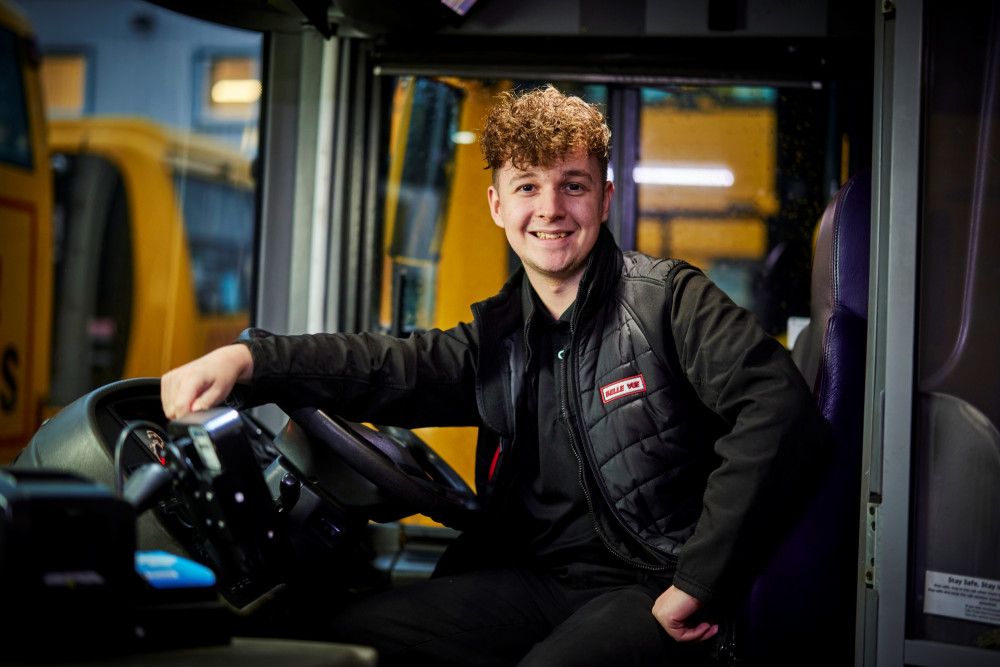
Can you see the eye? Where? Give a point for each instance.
(525, 187)
(575, 187)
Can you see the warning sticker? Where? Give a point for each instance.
(957, 596)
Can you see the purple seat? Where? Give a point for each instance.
(802, 604)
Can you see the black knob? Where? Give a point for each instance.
(288, 491)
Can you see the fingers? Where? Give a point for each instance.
(210, 396)
(185, 390)
(182, 391)
(204, 382)
(675, 610)
(699, 633)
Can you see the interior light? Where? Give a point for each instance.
(716, 177)
(236, 91)
(464, 137)
(460, 7)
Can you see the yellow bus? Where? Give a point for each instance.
(153, 244)
(25, 236)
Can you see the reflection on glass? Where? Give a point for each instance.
(153, 125)
(15, 144)
(708, 182)
(64, 78)
(424, 153)
(218, 219)
(234, 88)
(93, 287)
(955, 557)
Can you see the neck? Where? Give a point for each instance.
(555, 295)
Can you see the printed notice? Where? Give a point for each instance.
(957, 596)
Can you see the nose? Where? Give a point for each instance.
(549, 204)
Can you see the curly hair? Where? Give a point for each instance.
(540, 127)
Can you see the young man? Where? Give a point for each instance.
(636, 427)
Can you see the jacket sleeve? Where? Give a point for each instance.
(777, 437)
(427, 379)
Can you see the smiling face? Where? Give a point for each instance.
(552, 216)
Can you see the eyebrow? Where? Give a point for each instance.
(581, 174)
(578, 173)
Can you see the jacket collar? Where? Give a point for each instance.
(604, 269)
(501, 316)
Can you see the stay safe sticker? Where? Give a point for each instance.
(958, 596)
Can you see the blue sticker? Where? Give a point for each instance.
(166, 570)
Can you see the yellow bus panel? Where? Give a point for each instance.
(25, 237)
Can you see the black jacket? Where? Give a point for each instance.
(689, 421)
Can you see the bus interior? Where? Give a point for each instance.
(831, 165)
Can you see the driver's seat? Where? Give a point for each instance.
(803, 602)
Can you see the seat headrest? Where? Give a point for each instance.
(840, 261)
(839, 273)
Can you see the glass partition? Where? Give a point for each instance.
(954, 593)
(156, 270)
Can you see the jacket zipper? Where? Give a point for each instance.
(564, 409)
(527, 338)
(527, 360)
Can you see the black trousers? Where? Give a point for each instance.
(577, 616)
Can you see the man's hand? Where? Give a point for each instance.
(206, 381)
(674, 608)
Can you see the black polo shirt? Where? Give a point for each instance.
(546, 504)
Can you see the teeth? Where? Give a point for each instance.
(549, 237)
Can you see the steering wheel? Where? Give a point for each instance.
(394, 460)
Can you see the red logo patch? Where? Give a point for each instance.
(623, 388)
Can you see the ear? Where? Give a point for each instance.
(609, 191)
(494, 198)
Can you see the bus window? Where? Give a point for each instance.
(64, 76)
(92, 275)
(955, 552)
(218, 219)
(424, 127)
(15, 139)
(705, 179)
(724, 181)
(154, 237)
(154, 212)
(25, 236)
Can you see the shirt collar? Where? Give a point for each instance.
(532, 307)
